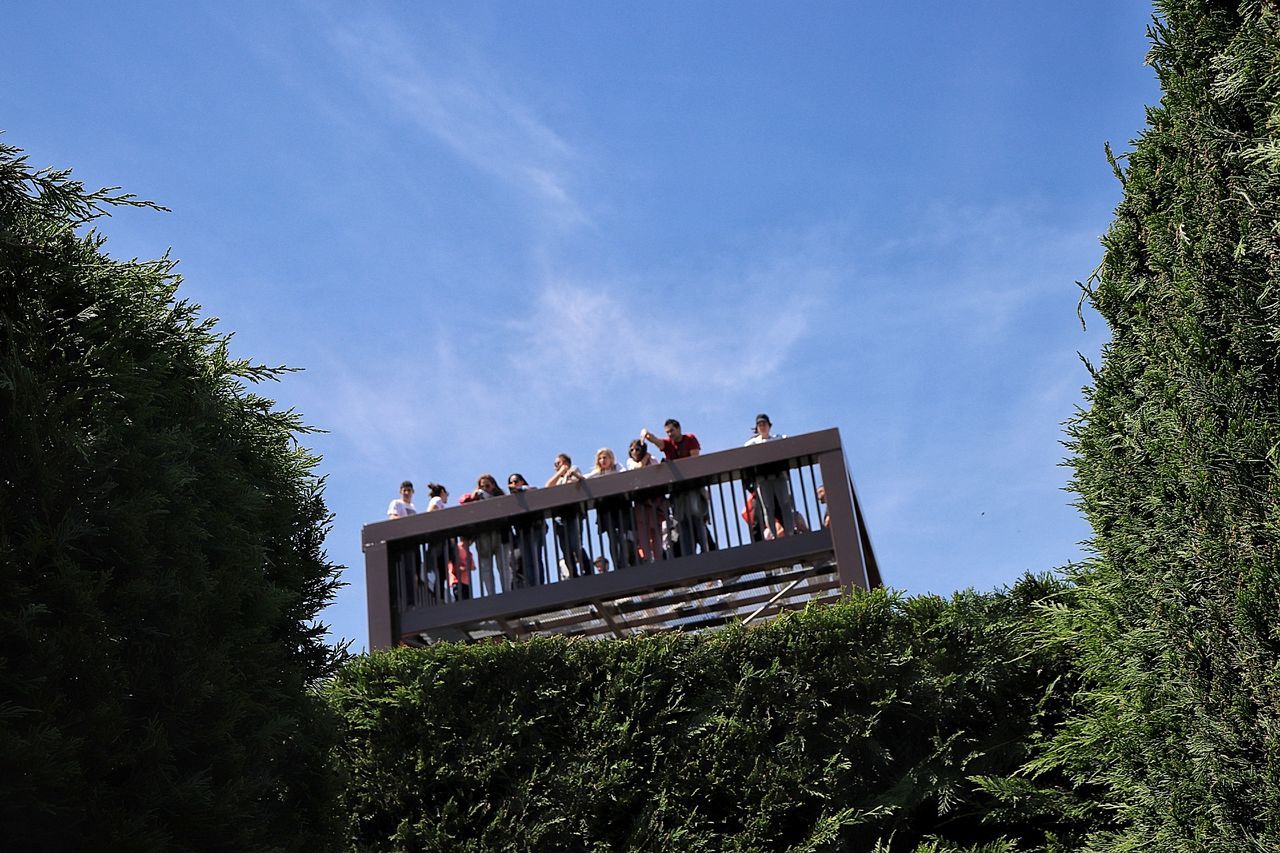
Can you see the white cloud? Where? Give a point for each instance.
(462, 104)
(976, 272)
(588, 335)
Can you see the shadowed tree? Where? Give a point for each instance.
(161, 558)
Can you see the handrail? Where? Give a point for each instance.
(653, 477)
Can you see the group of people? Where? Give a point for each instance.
(638, 531)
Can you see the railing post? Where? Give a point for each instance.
(846, 537)
(377, 579)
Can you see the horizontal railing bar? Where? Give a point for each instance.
(698, 470)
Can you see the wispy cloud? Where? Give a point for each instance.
(390, 412)
(463, 104)
(591, 335)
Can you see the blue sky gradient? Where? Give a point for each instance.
(494, 232)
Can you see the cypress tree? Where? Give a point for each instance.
(1178, 624)
(161, 558)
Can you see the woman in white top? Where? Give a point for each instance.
(613, 515)
(606, 463)
(650, 513)
(569, 525)
(439, 496)
(437, 566)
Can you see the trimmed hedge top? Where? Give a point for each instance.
(839, 726)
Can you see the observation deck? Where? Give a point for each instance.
(723, 570)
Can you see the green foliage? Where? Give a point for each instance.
(1177, 628)
(161, 558)
(841, 727)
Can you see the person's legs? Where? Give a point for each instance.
(432, 572)
(688, 521)
(485, 558)
(573, 555)
(522, 556)
(505, 567)
(776, 504)
(648, 530)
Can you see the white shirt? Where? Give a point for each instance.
(399, 509)
(435, 503)
(761, 439)
(596, 472)
(565, 478)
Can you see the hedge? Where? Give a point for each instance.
(880, 720)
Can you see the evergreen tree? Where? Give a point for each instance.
(161, 558)
(1177, 455)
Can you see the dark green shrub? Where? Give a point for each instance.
(161, 559)
(1178, 624)
(836, 728)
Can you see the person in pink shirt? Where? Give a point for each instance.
(460, 569)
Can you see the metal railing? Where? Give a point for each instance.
(665, 526)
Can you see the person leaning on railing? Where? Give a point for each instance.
(569, 525)
(613, 515)
(528, 557)
(493, 547)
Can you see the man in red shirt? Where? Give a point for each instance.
(689, 506)
(676, 445)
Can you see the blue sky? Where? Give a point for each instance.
(494, 232)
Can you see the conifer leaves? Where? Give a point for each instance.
(161, 556)
(842, 727)
(1173, 626)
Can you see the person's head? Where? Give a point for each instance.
(601, 564)
(563, 461)
(516, 482)
(672, 428)
(763, 425)
(437, 491)
(406, 492)
(605, 459)
(822, 494)
(487, 483)
(637, 450)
